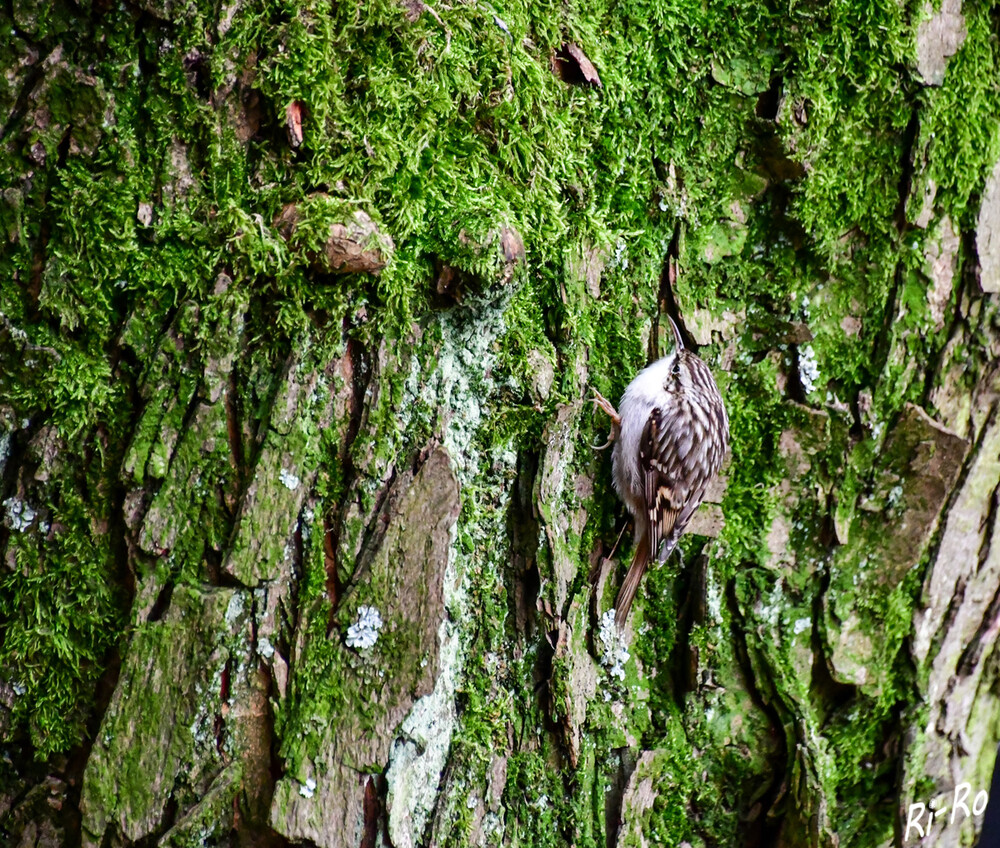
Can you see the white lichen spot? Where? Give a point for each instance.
(364, 632)
(615, 653)
(290, 480)
(619, 259)
(19, 514)
(4, 451)
(713, 597)
(308, 516)
(18, 687)
(808, 368)
(770, 609)
(321, 390)
(235, 608)
(308, 789)
(895, 493)
(265, 648)
(801, 624)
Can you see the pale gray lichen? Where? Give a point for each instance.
(808, 368)
(615, 654)
(364, 632)
(308, 516)
(462, 383)
(619, 259)
(463, 380)
(419, 755)
(4, 451)
(714, 599)
(290, 480)
(264, 647)
(20, 514)
(235, 608)
(308, 789)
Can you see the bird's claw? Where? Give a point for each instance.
(616, 421)
(599, 400)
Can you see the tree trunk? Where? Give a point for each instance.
(304, 539)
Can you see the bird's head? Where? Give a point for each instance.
(684, 371)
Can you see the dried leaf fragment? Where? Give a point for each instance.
(572, 66)
(293, 122)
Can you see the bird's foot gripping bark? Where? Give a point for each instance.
(616, 421)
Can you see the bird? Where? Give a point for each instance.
(670, 437)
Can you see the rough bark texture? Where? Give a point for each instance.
(301, 309)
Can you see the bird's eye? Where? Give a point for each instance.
(676, 369)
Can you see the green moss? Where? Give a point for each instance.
(62, 620)
(173, 727)
(757, 418)
(961, 153)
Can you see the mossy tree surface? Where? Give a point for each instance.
(214, 450)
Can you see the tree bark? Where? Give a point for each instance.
(304, 541)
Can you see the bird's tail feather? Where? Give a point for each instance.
(640, 560)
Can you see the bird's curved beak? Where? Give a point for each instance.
(677, 334)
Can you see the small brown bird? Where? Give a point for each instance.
(670, 439)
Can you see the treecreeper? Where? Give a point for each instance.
(670, 436)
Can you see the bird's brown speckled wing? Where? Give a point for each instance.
(676, 468)
(658, 465)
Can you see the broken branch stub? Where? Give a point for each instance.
(352, 245)
(495, 257)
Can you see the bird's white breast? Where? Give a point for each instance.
(643, 394)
